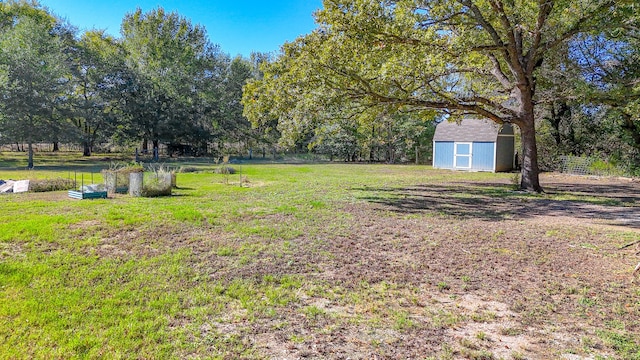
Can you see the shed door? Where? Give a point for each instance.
(462, 155)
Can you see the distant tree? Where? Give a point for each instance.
(33, 75)
(233, 125)
(173, 66)
(614, 78)
(337, 141)
(98, 80)
(588, 90)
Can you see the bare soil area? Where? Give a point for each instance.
(454, 271)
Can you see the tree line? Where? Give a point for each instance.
(162, 82)
(369, 83)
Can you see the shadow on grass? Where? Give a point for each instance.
(616, 204)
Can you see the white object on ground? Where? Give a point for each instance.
(21, 186)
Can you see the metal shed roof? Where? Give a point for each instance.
(471, 130)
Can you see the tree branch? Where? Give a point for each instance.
(514, 45)
(576, 28)
(546, 6)
(497, 72)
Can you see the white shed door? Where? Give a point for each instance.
(462, 155)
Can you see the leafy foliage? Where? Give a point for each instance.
(31, 67)
(447, 58)
(163, 81)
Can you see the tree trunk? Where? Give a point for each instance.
(30, 161)
(86, 148)
(371, 150)
(56, 146)
(145, 146)
(530, 172)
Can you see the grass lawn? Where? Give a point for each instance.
(321, 261)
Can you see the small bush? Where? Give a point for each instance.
(158, 184)
(187, 169)
(227, 170)
(601, 167)
(56, 184)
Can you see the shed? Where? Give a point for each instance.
(474, 145)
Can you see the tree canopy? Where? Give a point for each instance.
(163, 81)
(32, 74)
(457, 57)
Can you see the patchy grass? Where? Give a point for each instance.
(322, 261)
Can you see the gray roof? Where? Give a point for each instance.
(471, 130)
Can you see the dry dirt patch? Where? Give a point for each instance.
(480, 275)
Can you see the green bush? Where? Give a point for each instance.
(601, 167)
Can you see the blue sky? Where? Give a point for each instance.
(238, 26)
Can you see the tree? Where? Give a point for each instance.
(613, 78)
(174, 69)
(98, 79)
(233, 125)
(587, 90)
(33, 75)
(459, 57)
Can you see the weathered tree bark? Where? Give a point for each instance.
(530, 180)
(529, 173)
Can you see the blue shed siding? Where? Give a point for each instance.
(483, 153)
(443, 155)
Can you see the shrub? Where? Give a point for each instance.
(601, 167)
(227, 170)
(158, 183)
(56, 184)
(187, 169)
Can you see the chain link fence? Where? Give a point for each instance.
(585, 165)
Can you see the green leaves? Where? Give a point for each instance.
(33, 74)
(175, 73)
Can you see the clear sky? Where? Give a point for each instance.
(238, 26)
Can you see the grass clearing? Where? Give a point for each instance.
(322, 261)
